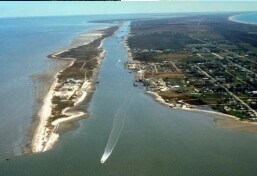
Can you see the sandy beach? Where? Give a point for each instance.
(45, 137)
(69, 112)
(220, 119)
(233, 18)
(127, 48)
(81, 39)
(44, 113)
(41, 133)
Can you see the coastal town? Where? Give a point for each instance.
(210, 70)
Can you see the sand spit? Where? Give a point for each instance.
(233, 18)
(40, 136)
(46, 135)
(44, 113)
(82, 39)
(221, 119)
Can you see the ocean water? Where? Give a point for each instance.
(246, 18)
(25, 44)
(137, 136)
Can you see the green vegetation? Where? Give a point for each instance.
(86, 60)
(199, 60)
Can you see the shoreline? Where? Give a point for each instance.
(92, 36)
(130, 58)
(232, 18)
(159, 99)
(43, 114)
(81, 39)
(220, 119)
(45, 135)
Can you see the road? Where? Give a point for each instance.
(239, 66)
(174, 65)
(243, 57)
(230, 93)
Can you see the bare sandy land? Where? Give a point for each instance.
(44, 138)
(220, 119)
(71, 114)
(236, 124)
(41, 133)
(88, 36)
(82, 39)
(232, 18)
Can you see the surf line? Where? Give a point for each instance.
(117, 127)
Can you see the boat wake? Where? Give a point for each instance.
(118, 63)
(118, 124)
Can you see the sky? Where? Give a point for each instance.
(57, 8)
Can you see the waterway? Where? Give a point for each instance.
(24, 68)
(140, 136)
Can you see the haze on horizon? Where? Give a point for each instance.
(27, 9)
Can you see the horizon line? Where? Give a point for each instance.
(163, 13)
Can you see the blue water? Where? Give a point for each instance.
(142, 137)
(246, 18)
(25, 44)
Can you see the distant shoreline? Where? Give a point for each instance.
(232, 18)
(220, 119)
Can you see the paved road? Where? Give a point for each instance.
(230, 93)
(243, 57)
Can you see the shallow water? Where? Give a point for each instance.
(25, 44)
(154, 139)
(246, 18)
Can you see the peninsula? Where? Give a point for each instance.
(69, 89)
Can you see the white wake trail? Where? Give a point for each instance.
(118, 124)
(118, 63)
